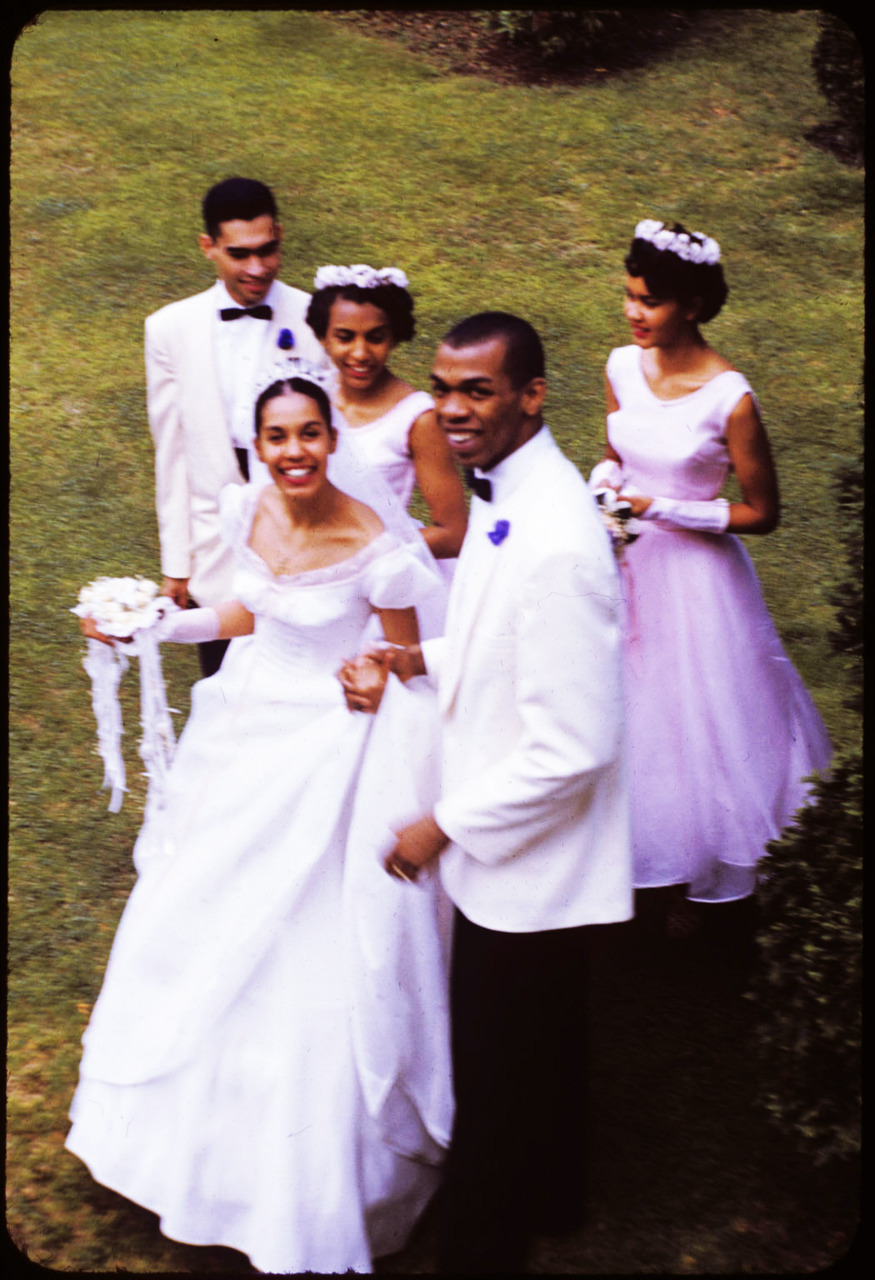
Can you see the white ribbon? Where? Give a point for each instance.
(106, 664)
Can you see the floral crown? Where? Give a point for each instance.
(284, 368)
(360, 275)
(690, 246)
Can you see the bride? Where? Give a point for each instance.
(266, 1067)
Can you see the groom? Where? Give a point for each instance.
(531, 831)
(201, 355)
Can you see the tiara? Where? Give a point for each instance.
(361, 275)
(284, 368)
(691, 246)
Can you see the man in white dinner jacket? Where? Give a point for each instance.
(202, 354)
(532, 828)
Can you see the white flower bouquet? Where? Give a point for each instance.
(121, 606)
(128, 609)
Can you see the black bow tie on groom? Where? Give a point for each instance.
(261, 312)
(481, 486)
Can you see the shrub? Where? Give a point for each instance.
(809, 979)
(593, 37)
(808, 985)
(837, 60)
(846, 638)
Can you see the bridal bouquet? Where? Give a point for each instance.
(616, 514)
(127, 609)
(121, 606)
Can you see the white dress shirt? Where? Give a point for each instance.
(242, 349)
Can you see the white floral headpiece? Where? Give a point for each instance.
(361, 275)
(691, 246)
(283, 368)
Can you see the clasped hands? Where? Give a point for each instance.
(364, 680)
(364, 677)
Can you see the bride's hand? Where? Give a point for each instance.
(88, 627)
(405, 661)
(363, 680)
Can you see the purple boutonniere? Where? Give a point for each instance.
(500, 532)
(286, 340)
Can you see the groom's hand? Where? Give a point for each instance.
(415, 846)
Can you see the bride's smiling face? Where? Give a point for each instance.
(295, 442)
(359, 341)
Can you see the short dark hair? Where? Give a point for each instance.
(523, 350)
(304, 387)
(236, 198)
(669, 276)
(391, 298)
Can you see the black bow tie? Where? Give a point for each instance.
(261, 312)
(481, 486)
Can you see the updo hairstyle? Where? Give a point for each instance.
(669, 276)
(305, 388)
(390, 298)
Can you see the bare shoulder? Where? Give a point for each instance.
(397, 391)
(716, 363)
(361, 523)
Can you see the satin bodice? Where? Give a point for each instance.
(671, 448)
(308, 623)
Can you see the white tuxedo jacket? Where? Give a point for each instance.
(194, 454)
(534, 794)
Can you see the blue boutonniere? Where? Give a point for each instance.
(499, 533)
(286, 340)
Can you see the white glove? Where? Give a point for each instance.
(606, 474)
(189, 626)
(700, 517)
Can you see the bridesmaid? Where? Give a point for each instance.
(721, 731)
(360, 315)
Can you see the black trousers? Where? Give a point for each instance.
(210, 654)
(515, 1165)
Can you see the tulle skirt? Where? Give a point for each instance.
(721, 732)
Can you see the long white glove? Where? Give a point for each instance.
(607, 474)
(189, 626)
(700, 517)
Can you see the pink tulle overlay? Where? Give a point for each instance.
(721, 730)
(722, 733)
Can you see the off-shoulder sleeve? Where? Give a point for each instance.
(405, 575)
(236, 510)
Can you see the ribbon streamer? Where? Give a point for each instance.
(106, 664)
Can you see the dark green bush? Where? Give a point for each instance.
(608, 38)
(808, 985)
(837, 60)
(846, 638)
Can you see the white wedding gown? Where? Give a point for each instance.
(267, 1065)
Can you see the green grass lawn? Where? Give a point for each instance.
(488, 195)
